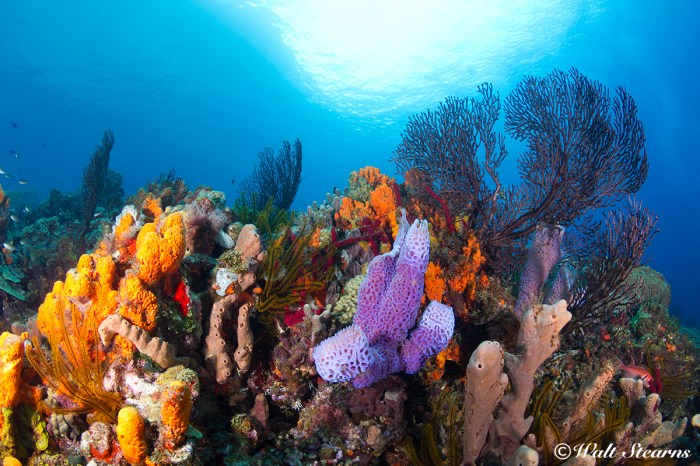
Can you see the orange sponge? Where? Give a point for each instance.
(435, 285)
(90, 282)
(138, 305)
(11, 351)
(160, 250)
(176, 406)
(130, 433)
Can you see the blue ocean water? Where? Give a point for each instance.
(203, 86)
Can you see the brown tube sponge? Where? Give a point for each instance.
(485, 386)
(244, 352)
(162, 352)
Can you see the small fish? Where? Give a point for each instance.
(23, 181)
(23, 242)
(8, 246)
(2, 172)
(97, 214)
(43, 146)
(13, 151)
(14, 125)
(27, 209)
(7, 175)
(637, 373)
(14, 218)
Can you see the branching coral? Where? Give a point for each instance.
(600, 285)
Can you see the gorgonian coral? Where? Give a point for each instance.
(585, 151)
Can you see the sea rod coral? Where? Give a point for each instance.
(377, 343)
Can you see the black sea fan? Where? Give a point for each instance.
(277, 177)
(585, 150)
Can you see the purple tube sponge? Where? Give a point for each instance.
(544, 252)
(432, 336)
(377, 343)
(561, 286)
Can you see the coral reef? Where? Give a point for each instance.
(197, 333)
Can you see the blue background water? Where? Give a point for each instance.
(203, 86)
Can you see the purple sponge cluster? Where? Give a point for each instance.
(377, 343)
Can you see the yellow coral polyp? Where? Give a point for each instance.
(130, 434)
(176, 406)
(159, 252)
(11, 352)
